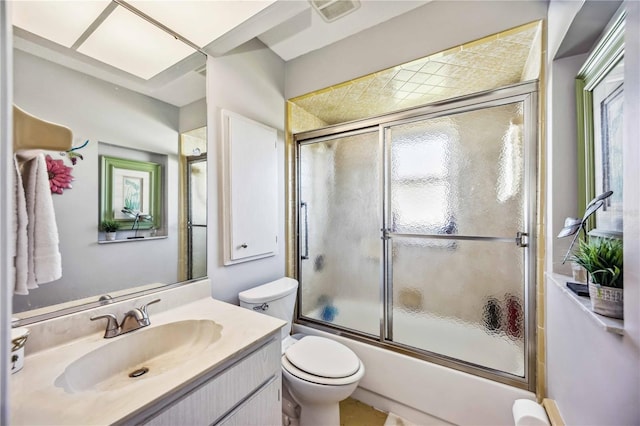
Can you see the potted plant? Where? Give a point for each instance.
(110, 226)
(602, 258)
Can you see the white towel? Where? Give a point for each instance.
(20, 229)
(44, 263)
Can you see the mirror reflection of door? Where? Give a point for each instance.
(193, 234)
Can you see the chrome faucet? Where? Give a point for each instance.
(134, 319)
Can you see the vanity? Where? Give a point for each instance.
(200, 361)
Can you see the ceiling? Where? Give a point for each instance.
(105, 39)
(307, 31)
(586, 27)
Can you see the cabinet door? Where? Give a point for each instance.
(225, 392)
(262, 409)
(250, 189)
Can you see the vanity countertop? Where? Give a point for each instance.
(37, 399)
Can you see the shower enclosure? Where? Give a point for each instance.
(196, 216)
(414, 232)
(192, 236)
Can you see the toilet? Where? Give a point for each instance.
(317, 372)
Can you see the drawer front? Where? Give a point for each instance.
(208, 403)
(261, 409)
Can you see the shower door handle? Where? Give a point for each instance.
(306, 230)
(520, 239)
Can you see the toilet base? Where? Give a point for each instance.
(290, 409)
(289, 421)
(317, 405)
(320, 415)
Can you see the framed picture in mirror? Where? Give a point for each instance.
(130, 192)
(600, 103)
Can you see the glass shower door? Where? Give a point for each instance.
(339, 230)
(197, 217)
(456, 214)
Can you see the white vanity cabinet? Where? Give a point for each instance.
(257, 411)
(245, 391)
(227, 372)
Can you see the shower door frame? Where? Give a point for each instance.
(522, 92)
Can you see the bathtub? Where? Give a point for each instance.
(423, 392)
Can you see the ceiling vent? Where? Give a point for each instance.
(330, 10)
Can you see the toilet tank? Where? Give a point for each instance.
(276, 298)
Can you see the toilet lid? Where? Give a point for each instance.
(323, 357)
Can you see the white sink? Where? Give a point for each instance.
(143, 354)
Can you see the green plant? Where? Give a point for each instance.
(602, 258)
(109, 225)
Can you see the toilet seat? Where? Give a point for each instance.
(322, 361)
(291, 369)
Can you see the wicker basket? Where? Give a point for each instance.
(606, 301)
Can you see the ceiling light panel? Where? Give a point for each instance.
(132, 44)
(201, 22)
(60, 21)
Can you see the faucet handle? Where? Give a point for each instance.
(143, 308)
(113, 329)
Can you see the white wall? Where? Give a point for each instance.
(436, 26)
(562, 182)
(560, 15)
(249, 81)
(632, 201)
(562, 156)
(100, 112)
(593, 375)
(193, 116)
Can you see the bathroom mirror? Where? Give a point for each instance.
(159, 120)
